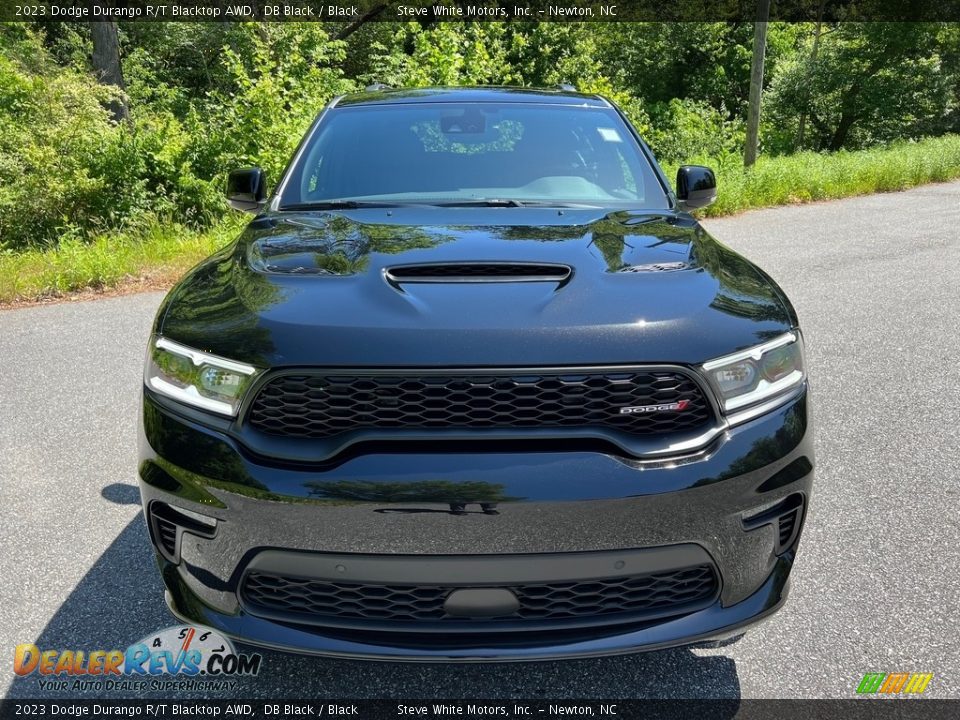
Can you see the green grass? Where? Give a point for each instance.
(157, 255)
(151, 257)
(808, 176)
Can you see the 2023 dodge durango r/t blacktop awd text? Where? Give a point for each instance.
(474, 384)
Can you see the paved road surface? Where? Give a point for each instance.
(876, 281)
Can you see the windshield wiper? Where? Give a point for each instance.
(466, 202)
(558, 204)
(339, 205)
(509, 202)
(482, 202)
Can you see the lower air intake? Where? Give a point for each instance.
(619, 599)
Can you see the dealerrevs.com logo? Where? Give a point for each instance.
(183, 657)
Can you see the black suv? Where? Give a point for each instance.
(474, 384)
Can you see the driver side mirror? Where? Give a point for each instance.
(247, 189)
(696, 187)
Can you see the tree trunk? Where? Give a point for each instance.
(849, 113)
(843, 128)
(810, 68)
(756, 82)
(361, 21)
(106, 63)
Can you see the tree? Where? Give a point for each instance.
(871, 83)
(106, 64)
(369, 15)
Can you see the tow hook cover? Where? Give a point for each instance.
(481, 602)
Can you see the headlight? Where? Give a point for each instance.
(197, 378)
(757, 374)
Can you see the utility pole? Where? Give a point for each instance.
(756, 82)
(106, 63)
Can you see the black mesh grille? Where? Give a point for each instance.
(656, 593)
(322, 405)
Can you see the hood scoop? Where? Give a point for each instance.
(478, 272)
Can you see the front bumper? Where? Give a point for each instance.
(439, 510)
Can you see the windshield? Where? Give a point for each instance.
(449, 153)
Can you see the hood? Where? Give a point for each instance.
(386, 287)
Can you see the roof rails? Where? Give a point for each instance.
(378, 86)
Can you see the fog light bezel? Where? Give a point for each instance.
(184, 520)
(793, 504)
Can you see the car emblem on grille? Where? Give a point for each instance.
(663, 407)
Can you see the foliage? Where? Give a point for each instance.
(272, 94)
(682, 129)
(68, 171)
(870, 83)
(707, 63)
(56, 148)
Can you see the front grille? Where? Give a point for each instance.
(633, 597)
(325, 404)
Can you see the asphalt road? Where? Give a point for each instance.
(876, 281)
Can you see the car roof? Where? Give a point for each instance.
(490, 94)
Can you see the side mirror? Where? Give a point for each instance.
(696, 187)
(247, 189)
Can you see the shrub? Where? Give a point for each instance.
(277, 90)
(58, 149)
(683, 129)
(67, 170)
